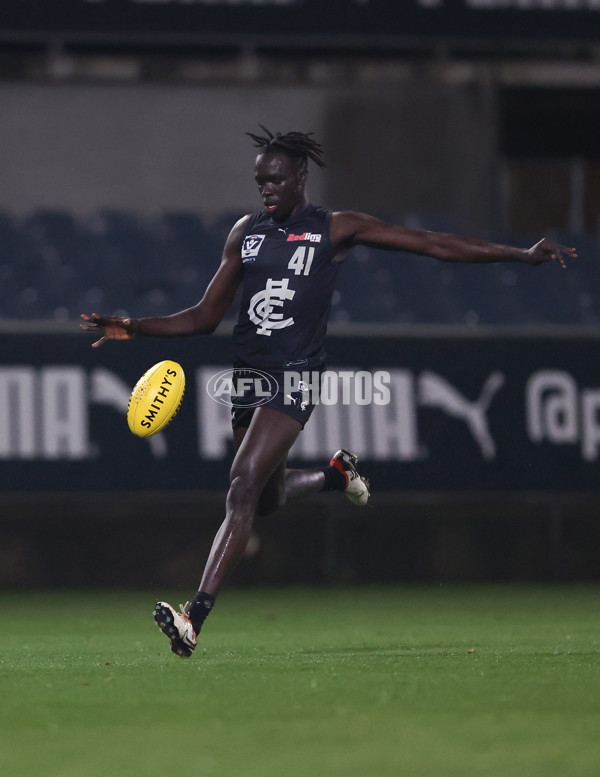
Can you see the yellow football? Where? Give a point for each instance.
(155, 398)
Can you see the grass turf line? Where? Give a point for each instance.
(361, 682)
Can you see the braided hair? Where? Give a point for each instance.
(299, 145)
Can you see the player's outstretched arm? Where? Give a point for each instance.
(349, 228)
(202, 318)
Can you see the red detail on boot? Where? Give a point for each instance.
(340, 468)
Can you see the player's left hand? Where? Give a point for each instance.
(549, 251)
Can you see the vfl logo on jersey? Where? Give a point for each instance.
(251, 247)
(264, 303)
(310, 236)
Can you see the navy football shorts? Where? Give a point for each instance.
(294, 396)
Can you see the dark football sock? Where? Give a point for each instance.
(334, 480)
(200, 607)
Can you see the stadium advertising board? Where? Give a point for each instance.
(424, 413)
(517, 19)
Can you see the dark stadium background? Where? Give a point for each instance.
(124, 163)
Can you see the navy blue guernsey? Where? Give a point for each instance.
(287, 285)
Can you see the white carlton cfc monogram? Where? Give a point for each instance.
(263, 304)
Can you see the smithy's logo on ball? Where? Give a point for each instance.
(242, 388)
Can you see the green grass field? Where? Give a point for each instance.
(362, 682)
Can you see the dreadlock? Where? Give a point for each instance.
(298, 145)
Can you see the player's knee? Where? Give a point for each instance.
(243, 495)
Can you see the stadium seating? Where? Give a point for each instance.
(54, 266)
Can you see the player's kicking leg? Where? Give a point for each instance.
(261, 450)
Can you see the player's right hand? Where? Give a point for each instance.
(112, 327)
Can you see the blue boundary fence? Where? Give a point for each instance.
(496, 411)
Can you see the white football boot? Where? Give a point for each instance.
(177, 627)
(357, 487)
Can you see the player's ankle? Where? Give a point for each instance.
(199, 609)
(335, 480)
